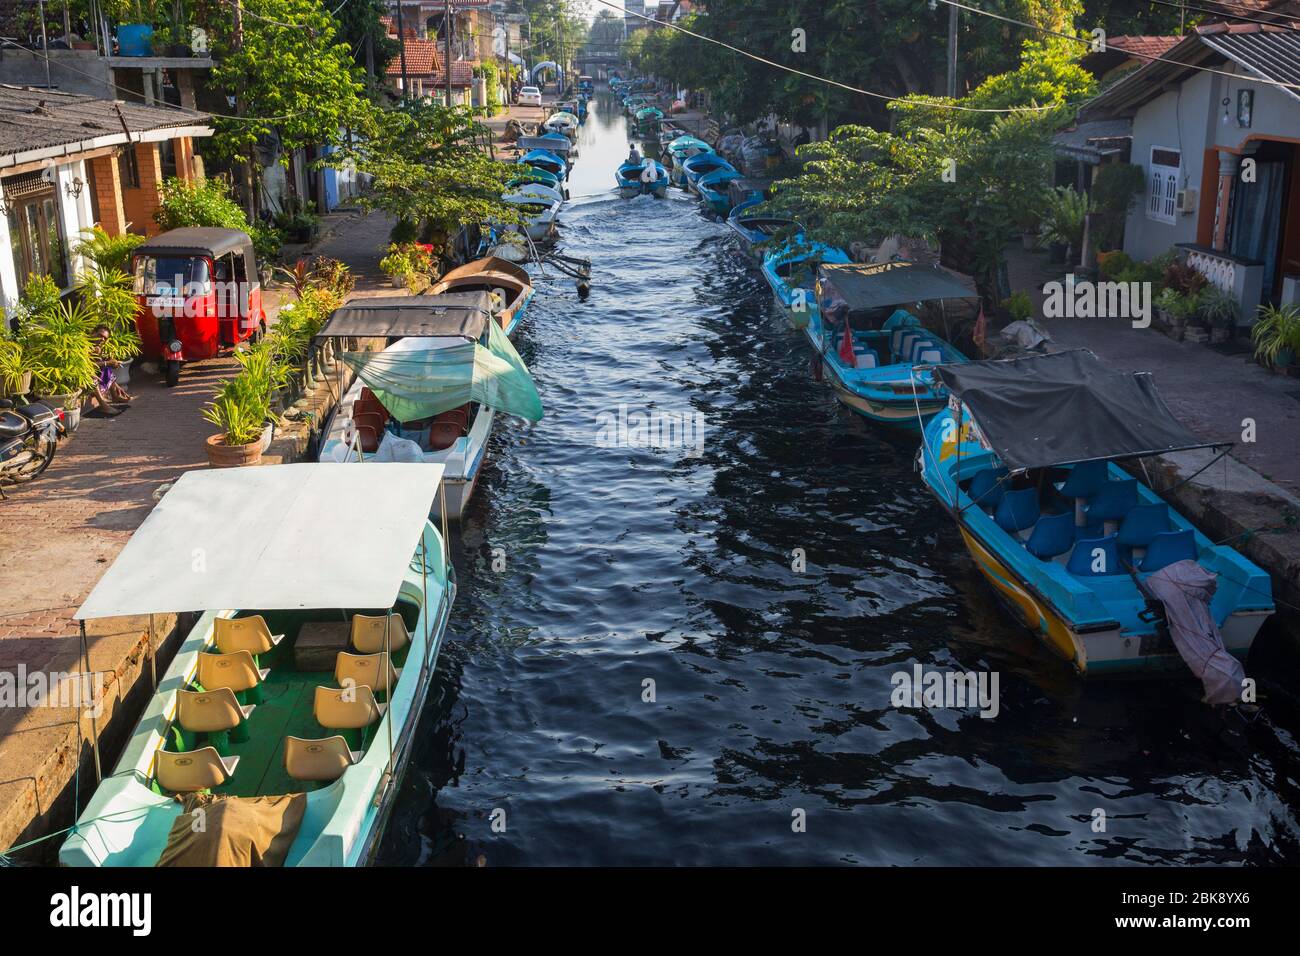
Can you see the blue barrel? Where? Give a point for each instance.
(135, 39)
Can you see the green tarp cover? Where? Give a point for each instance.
(420, 384)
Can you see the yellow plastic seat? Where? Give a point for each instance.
(323, 759)
(366, 669)
(346, 708)
(236, 670)
(193, 770)
(244, 634)
(368, 633)
(210, 711)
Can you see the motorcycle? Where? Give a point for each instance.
(29, 436)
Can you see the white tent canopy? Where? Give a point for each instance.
(272, 538)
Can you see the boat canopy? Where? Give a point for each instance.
(464, 314)
(876, 285)
(288, 537)
(556, 143)
(414, 383)
(1065, 407)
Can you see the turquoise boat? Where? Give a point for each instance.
(697, 167)
(713, 189)
(754, 229)
(791, 271)
(628, 177)
(681, 149)
(1026, 460)
(879, 369)
(294, 700)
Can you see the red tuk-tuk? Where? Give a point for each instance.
(198, 292)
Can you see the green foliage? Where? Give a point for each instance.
(1113, 189)
(1218, 308)
(1019, 305)
(204, 202)
(240, 409)
(1112, 265)
(1178, 305)
(1276, 332)
(411, 262)
(1182, 278)
(1063, 220)
(57, 350)
(105, 252)
(109, 299)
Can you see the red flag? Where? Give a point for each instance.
(981, 328)
(846, 347)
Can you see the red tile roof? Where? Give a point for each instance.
(1148, 45)
(462, 74)
(421, 59)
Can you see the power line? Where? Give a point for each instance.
(1146, 56)
(830, 82)
(1286, 21)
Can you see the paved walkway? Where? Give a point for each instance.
(1207, 390)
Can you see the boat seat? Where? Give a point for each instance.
(369, 437)
(918, 346)
(1052, 535)
(896, 337)
(1142, 524)
(322, 760)
(909, 337)
(928, 357)
(987, 487)
(866, 358)
(210, 711)
(369, 420)
(236, 670)
(346, 708)
(244, 634)
(445, 434)
(1017, 510)
(368, 633)
(193, 770)
(1112, 502)
(1082, 557)
(1167, 548)
(459, 415)
(1084, 480)
(367, 670)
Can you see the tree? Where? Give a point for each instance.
(360, 27)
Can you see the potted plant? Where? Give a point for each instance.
(298, 219)
(57, 350)
(1219, 309)
(408, 264)
(109, 299)
(15, 379)
(241, 408)
(1174, 309)
(1064, 213)
(1276, 335)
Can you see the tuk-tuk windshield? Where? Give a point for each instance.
(171, 275)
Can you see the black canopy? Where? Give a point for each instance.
(875, 285)
(464, 314)
(1065, 407)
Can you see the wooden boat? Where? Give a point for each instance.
(324, 599)
(1025, 459)
(495, 276)
(791, 271)
(876, 369)
(630, 184)
(432, 395)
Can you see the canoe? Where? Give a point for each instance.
(300, 600)
(495, 276)
(1070, 541)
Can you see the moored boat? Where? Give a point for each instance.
(287, 715)
(713, 189)
(695, 168)
(629, 178)
(432, 395)
(873, 348)
(791, 271)
(1026, 460)
(562, 122)
(755, 229)
(538, 209)
(496, 277)
(547, 161)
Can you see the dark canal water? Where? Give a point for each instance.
(771, 687)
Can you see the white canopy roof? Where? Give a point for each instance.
(272, 538)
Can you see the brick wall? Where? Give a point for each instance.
(109, 210)
(142, 202)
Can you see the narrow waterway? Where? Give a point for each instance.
(587, 571)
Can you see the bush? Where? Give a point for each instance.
(203, 202)
(107, 253)
(1019, 305)
(1183, 279)
(1114, 264)
(1113, 189)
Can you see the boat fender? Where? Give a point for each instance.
(584, 288)
(497, 299)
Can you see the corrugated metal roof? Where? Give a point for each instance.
(33, 119)
(1271, 53)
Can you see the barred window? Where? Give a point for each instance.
(1162, 184)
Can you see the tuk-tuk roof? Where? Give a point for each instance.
(196, 240)
(293, 536)
(464, 314)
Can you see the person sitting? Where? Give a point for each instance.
(106, 394)
(634, 156)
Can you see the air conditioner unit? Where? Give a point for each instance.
(1186, 201)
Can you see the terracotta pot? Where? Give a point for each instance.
(221, 455)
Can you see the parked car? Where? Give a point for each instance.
(530, 96)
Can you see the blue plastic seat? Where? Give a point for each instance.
(1169, 547)
(865, 357)
(918, 344)
(1082, 558)
(1053, 535)
(1142, 524)
(1113, 501)
(1085, 479)
(905, 348)
(1018, 509)
(986, 488)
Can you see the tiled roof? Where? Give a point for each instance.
(462, 74)
(421, 59)
(34, 119)
(1149, 45)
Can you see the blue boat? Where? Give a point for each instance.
(874, 350)
(628, 177)
(753, 229)
(696, 168)
(546, 160)
(713, 190)
(1025, 459)
(791, 271)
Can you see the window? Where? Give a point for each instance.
(1162, 184)
(35, 229)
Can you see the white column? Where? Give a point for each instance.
(71, 211)
(8, 272)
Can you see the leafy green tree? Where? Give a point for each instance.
(360, 28)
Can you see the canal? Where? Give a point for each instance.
(640, 670)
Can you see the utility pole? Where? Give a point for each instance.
(401, 42)
(952, 52)
(45, 45)
(447, 26)
(237, 42)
